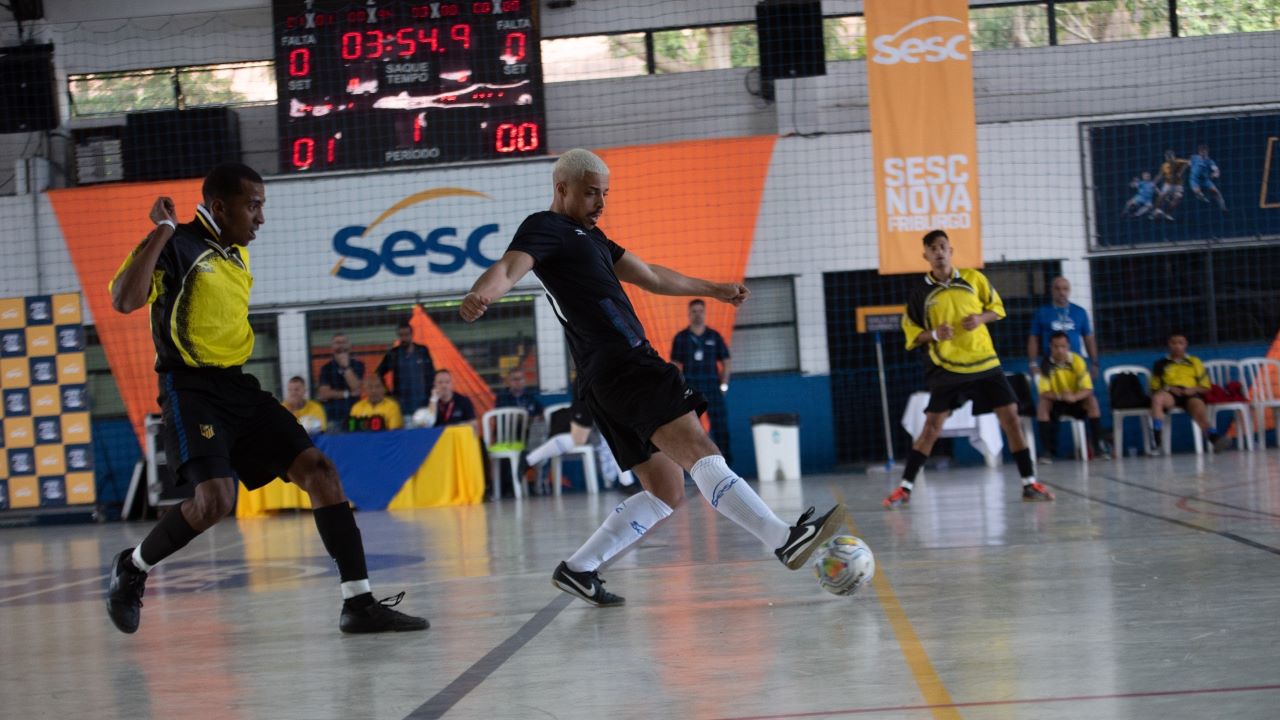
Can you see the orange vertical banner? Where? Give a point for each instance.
(923, 133)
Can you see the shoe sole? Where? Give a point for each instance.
(383, 630)
(825, 532)
(1042, 498)
(122, 628)
(896, 504)
(574, 592)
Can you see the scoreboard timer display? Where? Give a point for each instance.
(383, 83)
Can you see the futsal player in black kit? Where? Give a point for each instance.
(219, 424)
(640, 402)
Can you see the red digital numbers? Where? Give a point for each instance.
(304, 152)
(352, 45)
(404, 37)
(404, 42)
(516, 137)
(513, 50)
(481, 8)
(462, 34)
(300, 62)
(509, 6)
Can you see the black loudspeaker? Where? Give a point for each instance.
(790, 36)
(175, 144)
(27, 86)
(24, 10)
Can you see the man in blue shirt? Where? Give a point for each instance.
(703, 357)
(515, 394)
(1203, 172)
(412, 370)
(1061, 315)
(341, 382)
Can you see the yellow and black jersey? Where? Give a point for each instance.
(1186, 372)
(1172, 171)
(199, 299)
(934, 303)
(1067, 377)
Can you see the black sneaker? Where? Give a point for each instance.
(124, 597)
(807, 535)
(1222, 443)
(585, 585)
(377, 617)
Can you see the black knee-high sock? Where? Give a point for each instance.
(1094, 431)
(170, 535)
(915, 461)
(341, 537)
(1026, 468)
(1048, 437)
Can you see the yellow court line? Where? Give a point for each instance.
(931, 686)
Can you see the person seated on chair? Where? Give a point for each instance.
(376, 411)
(447, 407)
(515, 394)
(1179, 380)
(310, 413)
(569, 429)
(1066, 389)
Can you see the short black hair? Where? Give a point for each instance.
(932, 235)
(1176, 333)
(443, 371)
(405, 325)
(226, 180)
(1058, 334)
(297, 378)
(697, 301)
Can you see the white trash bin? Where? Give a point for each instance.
(777, 441)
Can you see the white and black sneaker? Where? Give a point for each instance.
(585, 585)
(806, 535)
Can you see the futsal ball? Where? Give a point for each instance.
(421, 418)
(844, 564)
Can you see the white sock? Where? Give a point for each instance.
(628, 522)
(608, 463)
(1029, 480)
(731, 495)
(627, 478)
(138, 562)
(555, 447)
(352, 588)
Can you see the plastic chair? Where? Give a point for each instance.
(1222, 372)
(1118, 415)
(505, 431)
(1080, 434)
(586, 452)
(1262, 383)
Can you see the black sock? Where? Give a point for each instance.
(1048, 437)
(341, 537)
(1025, 467)
(170, 535)
(915, 461)
(1094, 431)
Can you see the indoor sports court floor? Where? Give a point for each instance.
(1149, 590)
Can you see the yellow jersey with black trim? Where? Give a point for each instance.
(1186, 372)
(199, 299)
(310, 409)
(388, 409)
(1066, 377)
(933, 303)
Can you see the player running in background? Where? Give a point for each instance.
(1172, 171)
(1203, 172)
(1143, 201)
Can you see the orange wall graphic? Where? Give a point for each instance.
(923, 132)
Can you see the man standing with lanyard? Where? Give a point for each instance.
(703, 357)
(1061, 315)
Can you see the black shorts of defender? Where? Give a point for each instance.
(988, 390)
(1181, 401)
(221, 423)
(1075, 410)
(636, 393)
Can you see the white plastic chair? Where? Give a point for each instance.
(1080, 434)
(1220, 373)
(586, 452)
(1262, 383)
(505, 429)
(1143, 414)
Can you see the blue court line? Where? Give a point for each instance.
(454, 692)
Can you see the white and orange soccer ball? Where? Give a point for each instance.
(844, 564)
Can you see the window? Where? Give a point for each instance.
(1016, 26)
(596, 56)
(172, 88)
(845, 38)
(505, 339)
(705, 48)
(264, 363)
(764, 334)
(1211, 17)
(1093, 21)
(105, 402)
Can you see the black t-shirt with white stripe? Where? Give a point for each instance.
(575, 265)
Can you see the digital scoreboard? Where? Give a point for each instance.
(383, 83)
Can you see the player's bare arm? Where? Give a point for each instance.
(130, 291)
(494, 283)
(661, 280)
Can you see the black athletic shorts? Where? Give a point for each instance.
(988, 390)
(1180, 401)
(221, 423)
(635, 393)
(1075, 410)
(578, 412)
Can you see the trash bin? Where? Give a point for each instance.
(777, 441)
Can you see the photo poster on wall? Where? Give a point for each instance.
(1171, 180)
(47, 454)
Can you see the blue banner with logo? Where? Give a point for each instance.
(1195, 179)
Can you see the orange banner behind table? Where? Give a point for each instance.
(923, 132)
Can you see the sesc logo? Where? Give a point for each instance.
(935, 48)
(402, 252)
